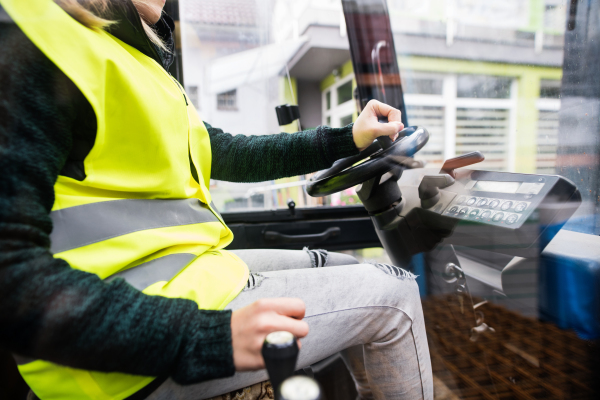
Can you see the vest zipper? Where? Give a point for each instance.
(180, 88)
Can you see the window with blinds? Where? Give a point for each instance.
(548, 106)
(547, 141)
(432, 118)
(462, 112)
(485, 130)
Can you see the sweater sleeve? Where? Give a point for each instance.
(242, 158)
(48, 310)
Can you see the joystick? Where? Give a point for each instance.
(300, 388)
(280, 352)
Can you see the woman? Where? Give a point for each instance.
(113, 273)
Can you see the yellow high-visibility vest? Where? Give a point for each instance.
(139, 213)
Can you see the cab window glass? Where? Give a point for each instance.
(344, 93)
(482, 86)
(485, 75)
(513, 79)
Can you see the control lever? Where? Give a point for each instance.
(429, 189)
(300, 388)
(461, 161)
(280, 352)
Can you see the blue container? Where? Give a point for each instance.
(569, 278)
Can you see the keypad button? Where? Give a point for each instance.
(506, 205)
(486, 215)
(498, 217)
(461, 200)
(471, 201)
(494, 203)
(520, 207)
(463, 212)
(474, 213)
(453, 210)
(482, 203)
(512, 219)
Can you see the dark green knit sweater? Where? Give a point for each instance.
(49, 310)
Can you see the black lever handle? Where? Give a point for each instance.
(276, 237)
(280, 352)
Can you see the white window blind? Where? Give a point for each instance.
(547, 141)
(432, 118)
(485, 130)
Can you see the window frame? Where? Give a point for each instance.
(337, 112)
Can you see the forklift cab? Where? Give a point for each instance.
(489, 196)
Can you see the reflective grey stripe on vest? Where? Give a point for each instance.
(160, 269)
(91, 223)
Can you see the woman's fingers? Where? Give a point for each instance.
(394, 116)
(388, 129)
(367, 127)
(385, 110)
(291, 307)
(251, 324)
(296, 327)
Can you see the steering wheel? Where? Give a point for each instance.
(384, 155)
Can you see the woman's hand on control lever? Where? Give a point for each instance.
(367, 127)
(251, 324)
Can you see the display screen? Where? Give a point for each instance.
(496, 186)
(530, 188)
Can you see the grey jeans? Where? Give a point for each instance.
(370, 312)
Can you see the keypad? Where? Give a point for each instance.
(521, 207)
(489, 210)
(511, 219)
(498, 217)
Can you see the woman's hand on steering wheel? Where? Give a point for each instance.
(367, 127)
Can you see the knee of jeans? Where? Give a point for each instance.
(403, 277)
(391, 286)
(396, 272)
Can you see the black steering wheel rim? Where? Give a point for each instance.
(343, 174)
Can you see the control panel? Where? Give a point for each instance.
(498, 198)
(509, 212)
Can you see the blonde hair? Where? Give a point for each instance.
(92, 13)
